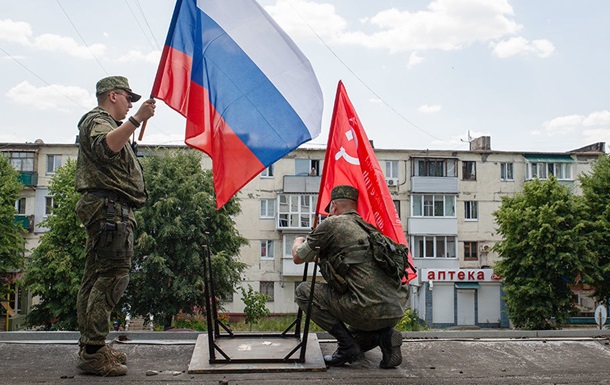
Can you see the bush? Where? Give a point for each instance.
(410, 322)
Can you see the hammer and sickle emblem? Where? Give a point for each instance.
(343, 154)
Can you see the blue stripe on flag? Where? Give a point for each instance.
(250, 104)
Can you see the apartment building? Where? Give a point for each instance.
(36, 163)
(445, 200)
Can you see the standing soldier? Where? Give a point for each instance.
(110, 181)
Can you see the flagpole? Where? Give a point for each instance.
(143, 127)
(142, 130)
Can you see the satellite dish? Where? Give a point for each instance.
(601, 315)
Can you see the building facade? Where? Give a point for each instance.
(445, 200)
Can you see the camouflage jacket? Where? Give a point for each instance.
(368, 285)
(98, 168)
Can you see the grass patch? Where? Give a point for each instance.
(266, 324)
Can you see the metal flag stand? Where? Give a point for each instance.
(214, 324)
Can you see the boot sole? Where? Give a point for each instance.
(396, 353)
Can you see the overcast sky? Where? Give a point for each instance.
(422, 74)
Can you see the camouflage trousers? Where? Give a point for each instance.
(108, 260)
(329, 308)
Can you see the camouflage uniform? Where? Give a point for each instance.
(373, 301)
(111, 186)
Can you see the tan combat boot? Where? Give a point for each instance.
(119, 355)
(101, 363)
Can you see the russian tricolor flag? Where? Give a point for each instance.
(249, 94)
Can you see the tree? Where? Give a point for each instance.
(11, 238)
(173, 227)
(596, 194)
(255, 305)
(544, 248)
(57, 263)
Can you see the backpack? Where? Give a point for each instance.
(392, 257)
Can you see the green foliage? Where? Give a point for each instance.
(193, 322)
(596, 195)
(410, 322)
(11, 239)
(57, 264)
(178, 220)
(544, 248)
(255, 305)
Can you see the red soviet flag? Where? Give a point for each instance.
(350, 160)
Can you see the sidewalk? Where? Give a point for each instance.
(575, 356)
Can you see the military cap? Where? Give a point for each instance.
(112, 83)
(342, 192)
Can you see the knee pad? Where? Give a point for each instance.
(112, 287)
(118, 289)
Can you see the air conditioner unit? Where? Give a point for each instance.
(392, 181)
(485, 248)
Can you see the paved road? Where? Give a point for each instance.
(445, 358)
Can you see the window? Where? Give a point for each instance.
(471, 252)
(267, 208)
(397, 207)
(20, 206)
(49, 206)
(434, 167)
(310, 167)
(22, 161)
(542, 170)
(391, 169)
(288, 242)
(268, 172)
(471, 210)
(433, 246)
(433, 205)
(267, 289)
(53, 163)
(561, 171)
(296, 211)
(469, 170)
(267, 251)
(506, 171)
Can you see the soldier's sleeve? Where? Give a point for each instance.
(99, 147)
(305, 252)
(316, 240)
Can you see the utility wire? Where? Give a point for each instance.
(81, 37)
(362, 81)
(140, 25)
(41, 79)
(157, 45)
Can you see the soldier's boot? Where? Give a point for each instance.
(118, 355)
(347, 348)
(390, 341)
(101, 363)
(367, 340)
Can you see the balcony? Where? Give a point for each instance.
(302, 184)
(28, 178)
(290, 269)
(432, 225)
(26, 221)
(434, 184)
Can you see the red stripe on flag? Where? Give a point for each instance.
(173, 79)
(232, 160)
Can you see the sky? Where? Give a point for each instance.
(421, 74)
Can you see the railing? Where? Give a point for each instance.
(29, 179)
(26, 221)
